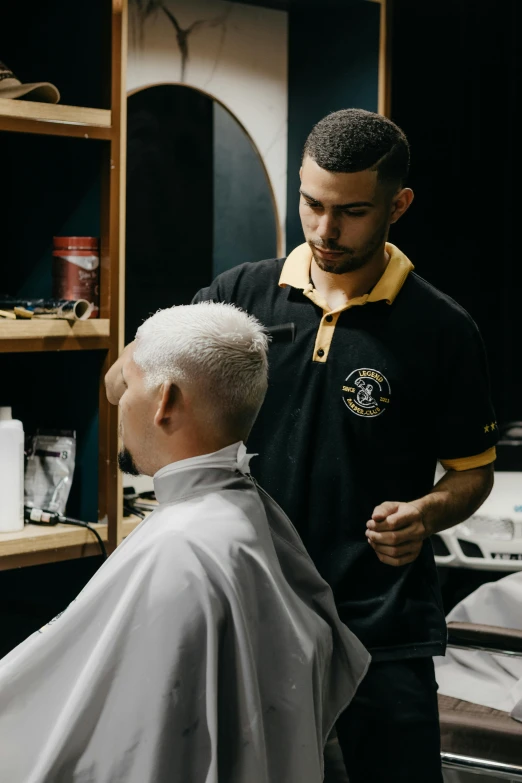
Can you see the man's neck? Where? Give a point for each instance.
(338, 290)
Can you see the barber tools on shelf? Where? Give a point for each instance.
(70, 310)
(76, 285)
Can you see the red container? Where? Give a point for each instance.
(76, 270)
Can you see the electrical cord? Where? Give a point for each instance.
(79, 523)
(39, 516)
(131, 509)
(137, 503)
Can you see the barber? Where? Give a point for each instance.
(359, 409)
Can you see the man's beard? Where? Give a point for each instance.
(355, 260)
(126, 463)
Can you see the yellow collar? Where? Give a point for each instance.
(296, 273)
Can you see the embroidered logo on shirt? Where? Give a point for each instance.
(366, 392)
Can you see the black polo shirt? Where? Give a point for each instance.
(358, 411)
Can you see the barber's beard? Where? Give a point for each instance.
(353, 259)
(126, 463)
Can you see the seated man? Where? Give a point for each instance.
(207, 647)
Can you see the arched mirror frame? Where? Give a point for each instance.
(279, 235)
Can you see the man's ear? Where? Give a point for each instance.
(400, 203)
(170, 401)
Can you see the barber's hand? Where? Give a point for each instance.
(396, 532)
(114, 385)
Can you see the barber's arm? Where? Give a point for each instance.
(397, 530)
(114, 386)
(464, 439)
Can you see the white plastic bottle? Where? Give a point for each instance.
(11, 473)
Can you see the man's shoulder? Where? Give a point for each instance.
(268, 267)
(209, 521)
(431, 303)
(244, 280)
(191, 542)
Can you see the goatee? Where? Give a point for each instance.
(352, 260)
(341, 267)
(126, 463)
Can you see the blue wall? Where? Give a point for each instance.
(333, 64)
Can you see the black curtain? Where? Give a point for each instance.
(456, 71)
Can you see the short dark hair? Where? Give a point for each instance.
(355, 140)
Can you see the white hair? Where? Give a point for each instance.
(217, 350)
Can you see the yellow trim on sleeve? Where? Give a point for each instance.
(296, 273)
(468, 463)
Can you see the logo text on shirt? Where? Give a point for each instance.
(366, 392)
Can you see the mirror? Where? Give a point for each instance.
(198, 198)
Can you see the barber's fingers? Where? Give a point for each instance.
(402, 560)
(383, 510)
(399, 516)
(397, 555)
(396, 537)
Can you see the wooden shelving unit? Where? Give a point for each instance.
(35, 545)
(42, 335)
(105, 127)
(55, 120)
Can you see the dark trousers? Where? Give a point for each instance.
(390, 732)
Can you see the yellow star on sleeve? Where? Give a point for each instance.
(493, 425)
(486, 428)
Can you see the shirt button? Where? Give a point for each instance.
(329, 318)
(320, 352)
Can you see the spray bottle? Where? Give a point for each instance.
(11, 473)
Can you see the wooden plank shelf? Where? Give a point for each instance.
(43, 148)
(53, 335)
(36, 544)
(21, 116)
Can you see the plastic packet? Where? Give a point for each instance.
(49, 469)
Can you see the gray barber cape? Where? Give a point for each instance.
(479, 676)
(207, 648)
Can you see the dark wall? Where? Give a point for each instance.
(455, 92)
(67, 44)
(53, 187)
(333, 63)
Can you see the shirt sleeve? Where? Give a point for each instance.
(224, 288)
(203, 295)
(219, 290)
(467, 430)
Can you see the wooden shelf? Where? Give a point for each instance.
(53, 335)
(104, 167)
(36, 544)
(22, 116)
